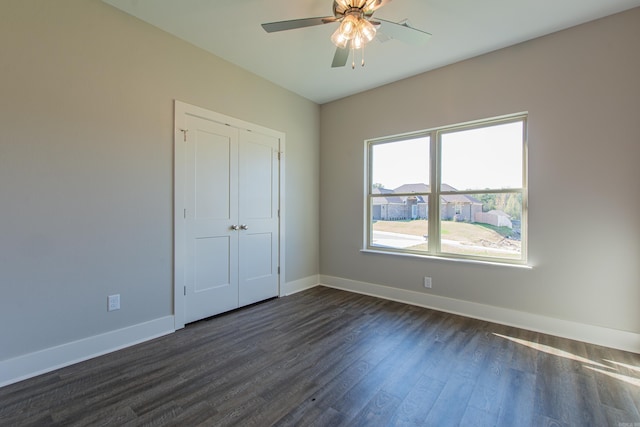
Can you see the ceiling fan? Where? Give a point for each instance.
(357, 28)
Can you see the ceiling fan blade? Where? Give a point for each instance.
(403, 32)
(340, 57)
(272, 27)
(377, 5)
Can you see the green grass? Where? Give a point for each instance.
(503, 231)
(418, 227)
(472, 239)
(459, 231)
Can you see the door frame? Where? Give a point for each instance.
(181, 111)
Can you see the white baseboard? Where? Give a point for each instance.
(299, 285)
(613, 338)
(49, 359)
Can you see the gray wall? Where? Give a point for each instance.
(86, 164)
(582, 91)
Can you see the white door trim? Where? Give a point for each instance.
(181, 110)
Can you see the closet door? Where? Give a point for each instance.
(231, 218)
(211, 215)
(258, 217)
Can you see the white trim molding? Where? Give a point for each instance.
(299, 285)
(46, 360)
(622, 340)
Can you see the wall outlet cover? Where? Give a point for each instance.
(113, 302)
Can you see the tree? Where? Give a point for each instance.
(513, 206)
(509, 203)
(488, 202)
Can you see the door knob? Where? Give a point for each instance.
(235, 227)
(244, 227)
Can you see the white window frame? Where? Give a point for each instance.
(434, 246)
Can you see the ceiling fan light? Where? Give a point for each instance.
(367, 30)
(344, 3)
(348, 27)
(339, 39)
(358, 41)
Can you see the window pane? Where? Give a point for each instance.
(400, 166)
(485, 225)
(483, 158)
(399, 226)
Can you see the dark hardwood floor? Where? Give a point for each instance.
(324, 357)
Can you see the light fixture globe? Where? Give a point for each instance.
(354, 28)
(367, 29)
(349, 26)
(339, 39)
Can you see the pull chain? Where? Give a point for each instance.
(363, 55)
(353, 57)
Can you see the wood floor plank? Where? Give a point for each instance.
(523, 359)
(378, 411)
(474, 416)
(608, 394)
(618, 417)
(517, 406)
(417, 404)
(325, 357)
(384, 359)
(339, 370)
(493, 375)
(318, 417)
(451, 404)
(566, 394)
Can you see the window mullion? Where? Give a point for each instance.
(368, 231)
(434, 205)
(525, 190)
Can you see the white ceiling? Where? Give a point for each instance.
(300, 60)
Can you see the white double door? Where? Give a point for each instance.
(231, 217)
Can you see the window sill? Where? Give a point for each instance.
(443, 258)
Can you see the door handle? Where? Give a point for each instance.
(235, 227)
(244, 227)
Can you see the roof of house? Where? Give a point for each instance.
(424, 188)
(460, 198)
(499, 213)
(385, 200)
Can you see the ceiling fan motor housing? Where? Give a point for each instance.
(361, 8)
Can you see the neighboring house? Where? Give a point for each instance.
(456, 207)
(495, 217)
(459, 207)
(390, 207)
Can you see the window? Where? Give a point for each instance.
(455, 192)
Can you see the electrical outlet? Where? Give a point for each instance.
(427, 282)
(113, 302)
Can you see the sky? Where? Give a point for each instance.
(475, 159)
(402, 162)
